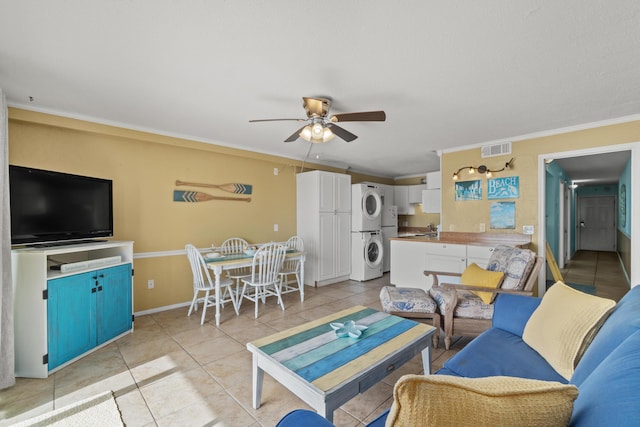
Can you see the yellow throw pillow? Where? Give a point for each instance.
(477, 276)
(443, 400)
(564, 324)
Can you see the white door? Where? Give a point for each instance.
(596, 223)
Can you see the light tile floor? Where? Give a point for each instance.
(173, 371)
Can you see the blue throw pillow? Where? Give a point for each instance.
(622, 323)
(610, 396)
(512, 312)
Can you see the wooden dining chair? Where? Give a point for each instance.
(234, 246)
(202, 283)
(264, 280)
(292, 268)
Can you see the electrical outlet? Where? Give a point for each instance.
(452, 227)
(275, 171)
(483, 227)
(275, 227)
(527, 229)
(150, 284)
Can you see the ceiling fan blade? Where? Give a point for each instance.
(366, 116)
(342, 133)
(295, 135)
(276, 120)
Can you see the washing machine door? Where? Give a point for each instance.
(371, 204)
(373, 252)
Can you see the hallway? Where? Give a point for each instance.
(600, 269)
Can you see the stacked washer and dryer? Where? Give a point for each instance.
(366, 232)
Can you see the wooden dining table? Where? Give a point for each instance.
(229, 262)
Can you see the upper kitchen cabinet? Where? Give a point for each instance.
(407, 196)
(431, 202)
(415, 193)
(434, 180)
(401, 199)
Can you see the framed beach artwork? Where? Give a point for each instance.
(503, 215)
(503, 188)
(469, 190)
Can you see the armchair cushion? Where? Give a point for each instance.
(477, 276)
(515, 263)
(406, 300)
(564, 324)
(426, 400)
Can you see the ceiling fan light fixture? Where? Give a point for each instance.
(327, 135)
(316, 133)
(317, 130)
(306, 133)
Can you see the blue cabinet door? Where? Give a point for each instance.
(71, 317)
(113, 301)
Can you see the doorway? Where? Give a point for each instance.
(596, 223)
(589, 166)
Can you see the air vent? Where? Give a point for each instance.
(496, 149)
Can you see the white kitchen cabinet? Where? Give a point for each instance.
(406, 197)
(479, 255)
(410, 258)
(408, 264)
(434, 180)
(431, 201)
(401, 199)
(324, 223)
(415, 193)
(447, 257)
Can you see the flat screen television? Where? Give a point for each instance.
(55, 208)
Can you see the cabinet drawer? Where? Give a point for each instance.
(377, 374)
(479, 255)
(481, 252)
(447, 249)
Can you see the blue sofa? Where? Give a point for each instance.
(607, 375)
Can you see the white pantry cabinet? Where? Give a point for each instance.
(323, 202)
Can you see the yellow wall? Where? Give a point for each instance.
(468, 215)
(144, 168)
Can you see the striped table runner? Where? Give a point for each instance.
(315, 353)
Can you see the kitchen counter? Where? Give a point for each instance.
(452, 252)
(482, 239)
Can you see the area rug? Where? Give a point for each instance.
(100, 410)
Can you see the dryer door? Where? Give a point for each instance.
(371, 204)
(373, 252)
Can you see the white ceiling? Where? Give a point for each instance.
(447, 73)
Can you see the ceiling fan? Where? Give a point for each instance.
(320, 127)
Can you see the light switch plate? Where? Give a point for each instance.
(527, 229)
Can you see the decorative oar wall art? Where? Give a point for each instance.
(229, 188)
(197, 196)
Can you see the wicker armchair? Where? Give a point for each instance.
(463, 311)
